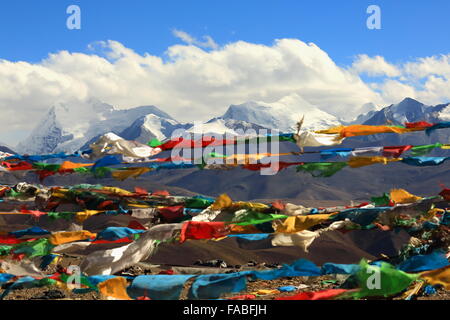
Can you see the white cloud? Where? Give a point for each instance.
(423, 67)
(187, 38)
(192, 83)
(374, 66)
(425, 79)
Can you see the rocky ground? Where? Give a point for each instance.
(253, 287)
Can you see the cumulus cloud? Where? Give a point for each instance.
(198, 82)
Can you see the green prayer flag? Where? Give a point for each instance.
(381, 201)
(322, 169)
(46, 166)
(197, 203)
(61, 215)
(83, 280)
(36, 248)
(12, 193)
(425, 149)
(215, 155)
(381, 281)
(4, 250)
(155, 143)
(45, 282)
(254, 217)
(101, 172)
(81, 170)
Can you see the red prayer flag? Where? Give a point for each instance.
(243, 297)
(161, 193)
(203, 230)
(34, 213)
(445, 194)
(140, 191)
(136, 225)
(316, 295)
(171, 214)
(419, 124)
(395, 151)
(105, 204)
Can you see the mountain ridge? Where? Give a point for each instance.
(65, 128)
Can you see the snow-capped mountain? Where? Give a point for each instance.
(282, 114)
(226, 126)
(5, 148)
(73, 126)
(362, 118)
(409, 110)
(151, 126)
(68, 127)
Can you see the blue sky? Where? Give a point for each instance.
(29, 30)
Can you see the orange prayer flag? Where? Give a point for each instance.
(363, 130)
(67, 165)
(115, 288)
(248, 229)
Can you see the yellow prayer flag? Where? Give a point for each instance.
(403, 196)
(129, 173)
(357, 162)
(439, 276)
(262, 292)
(84, 215)
(296, 224)
(250, 206)
(117, 191)
(70, 236)
(222, 202)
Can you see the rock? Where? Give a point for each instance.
(50, 295)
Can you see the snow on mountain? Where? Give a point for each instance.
(441, 112)
(4, 147)
(409, 110)
(73, 126)
(361, 118)
(282, 114)
(225, 127)
(67, 127)
(151, 126)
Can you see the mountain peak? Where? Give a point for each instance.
(282, 114)
(408, 110)
(410, 100)
(408, 103)
(70, 125)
